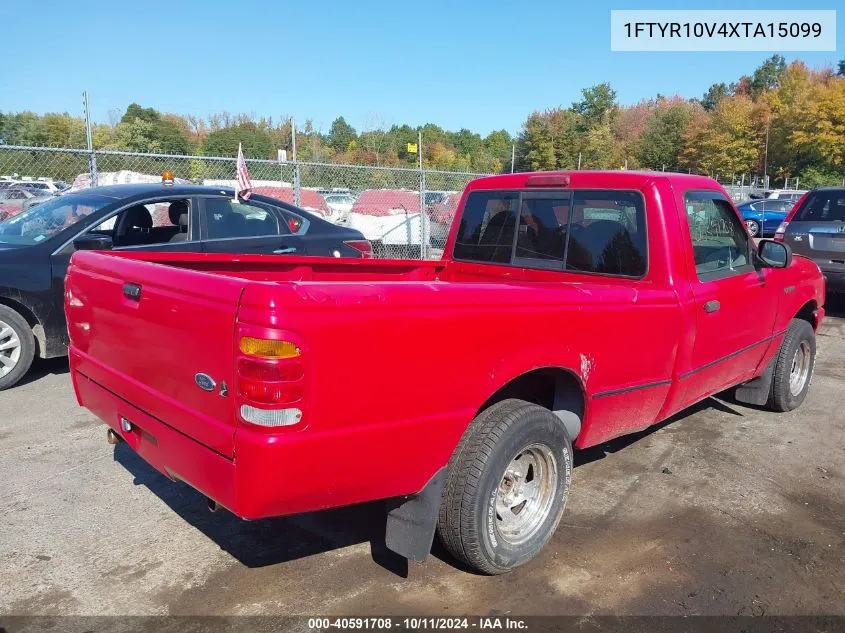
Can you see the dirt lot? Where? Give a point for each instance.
(723, 510)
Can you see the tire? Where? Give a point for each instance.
(793, 367)
(513, 442)
(17, 347)
(753, 228)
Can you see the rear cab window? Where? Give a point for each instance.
(584, 231)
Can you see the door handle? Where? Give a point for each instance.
(712, 306)
(132, 291)
(284, 251)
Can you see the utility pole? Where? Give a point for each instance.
(92, 158)
(297, 184)
(766, 158)
(513, 156)
(579, 160)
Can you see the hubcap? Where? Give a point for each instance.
(800, 371)
(752, 227)
(526, 493)
(10, 349)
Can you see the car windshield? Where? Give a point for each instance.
(822, 206)
(42, 222)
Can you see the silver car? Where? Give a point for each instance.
(816, 229)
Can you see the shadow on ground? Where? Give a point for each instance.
(272, 541)
(41, 368)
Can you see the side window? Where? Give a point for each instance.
(227, 219)
(486, 231)
(607, 233)
(720, 244)
(148, 224)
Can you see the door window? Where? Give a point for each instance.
(720, 244)
(148, 224)
(225, 219)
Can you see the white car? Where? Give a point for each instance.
(785, 194)
(340, 205)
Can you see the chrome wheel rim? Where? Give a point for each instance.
(10, 348)
(526, 493)
(752, 227)
(800, 371)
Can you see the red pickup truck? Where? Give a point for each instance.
(569, 309)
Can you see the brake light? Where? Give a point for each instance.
(781, 231)
(362, 246)
(270, 378)
(547, 180)
(270, 371)
(270, 392)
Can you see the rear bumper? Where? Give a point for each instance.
(286, 473)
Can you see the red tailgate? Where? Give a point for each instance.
(149, 349)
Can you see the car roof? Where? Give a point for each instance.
(155, 188)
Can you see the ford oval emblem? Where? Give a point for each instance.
(205, 382)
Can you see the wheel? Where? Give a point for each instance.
(753, 227)
(793, 367)
(507, 485)
(17, 347)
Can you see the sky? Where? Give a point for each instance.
(459, 64)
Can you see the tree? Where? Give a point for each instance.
(499, 145)
(714, 95)
(341, 134)
(767, 76)
(597, 105)
(822, 135)
(662, 139)
(224, 142)
(144, 130)
(841, 68)
(535, 145)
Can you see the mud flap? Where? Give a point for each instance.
(411, 525)
(757, 390)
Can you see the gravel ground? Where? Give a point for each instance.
(724, 509)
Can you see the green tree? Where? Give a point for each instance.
(499, 145)
(714, 94)
(840, 71)
(145, 130)
(341, 134)
(536, 146)
(597, 105)
(767, 76)
(662, 139)
(224, 142)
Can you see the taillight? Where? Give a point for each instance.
(781, 231)
(362, 246)
(270, 381)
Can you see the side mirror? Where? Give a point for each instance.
(93, 242)
(775, 254)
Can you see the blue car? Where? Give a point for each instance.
(763, 217)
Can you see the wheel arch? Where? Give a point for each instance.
(32, 319)
(558, 389)
(809, 312)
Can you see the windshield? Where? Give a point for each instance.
(822, 206)
(42, 222)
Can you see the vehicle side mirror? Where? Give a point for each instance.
(93, 242)
(775, 254)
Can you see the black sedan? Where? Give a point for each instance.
(36, 245)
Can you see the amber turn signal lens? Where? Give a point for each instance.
(167, 177)
(266, 348)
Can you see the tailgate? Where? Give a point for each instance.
(145, 331)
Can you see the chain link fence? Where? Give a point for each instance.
(403, 212)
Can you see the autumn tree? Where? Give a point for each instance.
(224, 142)
(662, 139)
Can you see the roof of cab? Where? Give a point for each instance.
(589, 178)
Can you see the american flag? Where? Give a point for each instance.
(244, 184)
